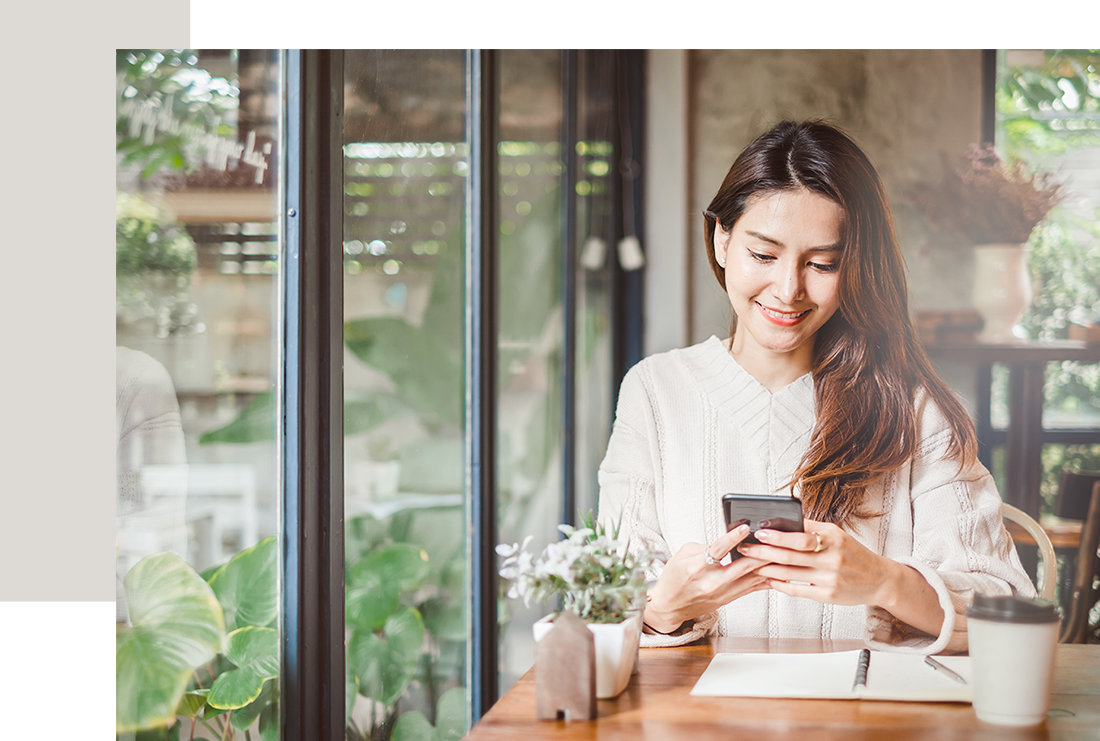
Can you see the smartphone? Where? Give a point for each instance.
(760, 511)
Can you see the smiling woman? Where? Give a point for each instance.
(781, 279)
(822, 391)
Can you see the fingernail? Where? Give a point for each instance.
(742, 528)
(763, 534)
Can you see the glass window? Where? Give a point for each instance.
(405, 163)
(197, 352)
(1048, 116)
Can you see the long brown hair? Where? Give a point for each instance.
(868, 363)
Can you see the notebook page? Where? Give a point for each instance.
(906, 677)
(828, 675)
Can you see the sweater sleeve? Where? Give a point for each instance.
(628, 491)
(959, 542)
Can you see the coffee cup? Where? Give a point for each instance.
(1012, 642)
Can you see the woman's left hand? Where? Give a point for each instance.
(828, 565)
(831, 566)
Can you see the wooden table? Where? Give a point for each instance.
(657, 706)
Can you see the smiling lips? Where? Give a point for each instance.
(783, 319)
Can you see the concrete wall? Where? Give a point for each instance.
(903, 107)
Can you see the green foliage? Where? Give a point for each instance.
(1034, 102)
(165, 84)
(178, 642)
(176, 626)
(246, 586)
(148, 240)
(385, 661)
(255, 651)
(1046, 111)
(596, 577)
(450, 720)
(375, 583)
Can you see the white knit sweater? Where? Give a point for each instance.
(693, 425)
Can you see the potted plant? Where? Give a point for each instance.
(598, 579)
(992, 205)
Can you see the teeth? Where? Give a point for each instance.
(781, 315)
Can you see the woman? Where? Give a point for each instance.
(823, 391)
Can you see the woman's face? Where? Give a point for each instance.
(781, 260)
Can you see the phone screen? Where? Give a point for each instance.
(761, 512)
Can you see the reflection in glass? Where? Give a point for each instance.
(197, 289)
(405, 162)
(529, 461)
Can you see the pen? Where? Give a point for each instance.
(943, 670)
(861, 670)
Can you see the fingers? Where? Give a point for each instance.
(726, 542)
(816, 538)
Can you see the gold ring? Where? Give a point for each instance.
(711, 561)
(820, 544)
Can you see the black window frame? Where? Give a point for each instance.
(311, 383)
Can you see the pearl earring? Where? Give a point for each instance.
(722, 261)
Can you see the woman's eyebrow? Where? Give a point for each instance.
(777, 243)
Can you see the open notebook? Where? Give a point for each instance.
(889, 676)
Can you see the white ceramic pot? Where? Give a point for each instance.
(1002, 289)
(616, 651)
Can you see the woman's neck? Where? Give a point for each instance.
(773, 370)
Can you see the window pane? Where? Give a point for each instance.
(1048, 117)
(596, 229)
(197, 277)
(405, 163)
(530, 345)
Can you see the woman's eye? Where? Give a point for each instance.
(823, 267)
(761, 257)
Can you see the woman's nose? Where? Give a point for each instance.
(788, 286)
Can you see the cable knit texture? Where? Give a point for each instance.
(693, 425)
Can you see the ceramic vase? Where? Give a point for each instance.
(1002, 289)
(616, 651)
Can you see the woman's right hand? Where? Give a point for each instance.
(690, 587)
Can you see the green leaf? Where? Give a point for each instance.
(246, 586)
(255, 651)
(192, 703)
(412, 726)
(386, 663)
(177, 626)
(374, 584)
(255, 423)
(243, 718)
(426, 370)
(351, 691)
(445, 618)
(450, 720)
(269, 722)
(450, 715)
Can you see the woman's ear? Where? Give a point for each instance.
(721, 243)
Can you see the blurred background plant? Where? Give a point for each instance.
(1048, 116)
(987, 200)
(154, 261)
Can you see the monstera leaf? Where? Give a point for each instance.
(450, 720)
(386, 663)
(177, 625)
(375, 583)
(255, 652)
(246, 586)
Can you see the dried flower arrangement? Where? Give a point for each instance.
(596, 576)
(987, 200)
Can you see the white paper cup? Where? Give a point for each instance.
(1012, 643)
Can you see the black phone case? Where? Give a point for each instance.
(761, 512)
